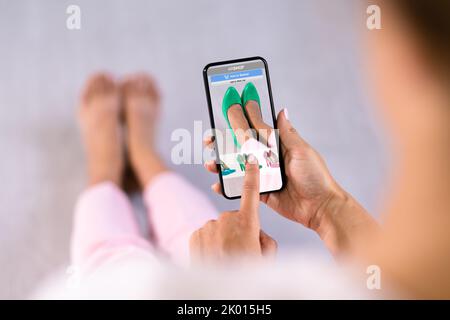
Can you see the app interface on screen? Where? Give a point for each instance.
(244, 124)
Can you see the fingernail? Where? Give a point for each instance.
(252, 159)
(286, 113)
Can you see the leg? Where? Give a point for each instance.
(175, 207)
(265, 132)
(141, 103)
(104, 226)
(239, 124)
(102, 135)
(104, 223)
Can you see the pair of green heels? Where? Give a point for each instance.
(232, 97)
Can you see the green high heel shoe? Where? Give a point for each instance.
(250, 93)
(230, 98)
(226, 169)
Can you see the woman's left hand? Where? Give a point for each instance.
(237, 233)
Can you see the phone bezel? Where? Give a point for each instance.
(213, 126)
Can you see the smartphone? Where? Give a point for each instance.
(243, 122)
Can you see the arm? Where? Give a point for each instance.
(343, 225)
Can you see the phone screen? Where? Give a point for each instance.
(243, 119)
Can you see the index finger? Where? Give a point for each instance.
(250, 190)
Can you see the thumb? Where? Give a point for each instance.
(250, 191)
(289, 137)
(269, 246)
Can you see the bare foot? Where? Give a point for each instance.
(239, 124)
(102, 134)
(256, 121)
(141, 101)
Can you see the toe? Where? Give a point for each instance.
(99, 99)
(101, 83)
(140, 84)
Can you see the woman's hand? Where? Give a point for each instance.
(235, 234)
(309, 184)
(311, 195)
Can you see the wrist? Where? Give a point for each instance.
(342, 223)
(325, 221)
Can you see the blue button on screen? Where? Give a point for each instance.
(236, 75)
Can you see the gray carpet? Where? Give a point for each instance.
(312, 50)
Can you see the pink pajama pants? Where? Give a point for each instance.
(105, 225)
